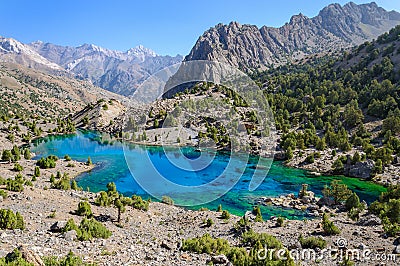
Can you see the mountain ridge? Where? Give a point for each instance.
(335, 27)
(115, 71)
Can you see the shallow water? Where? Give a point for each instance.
(111, 166)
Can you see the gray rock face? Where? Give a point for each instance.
(362, 169)
(58, 226)
(335, 27)
(70, 235)
(324, 201)
(30, 256)
(219, 259)
(369, 220)
(396, 250)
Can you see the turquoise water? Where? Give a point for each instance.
(108, 155)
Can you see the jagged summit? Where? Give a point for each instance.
(335, 27)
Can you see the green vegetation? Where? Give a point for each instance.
(89, 161)
(48, 162)
(225, 215)
(11, 220)
(219, 209)
(14, 259)
(328, 226)
(67, 158)
(139, 203)
(3, 194)
(388, 209)
(257, 212)
(312, 242)
(280, 221)
(62, 182)
(16, 184)
(238, 255)
(338, 191)
(27, 154)
(84, 209)
(323, 103)
(209, 222)
(88, 229)
(69, 260)
(112, 197)
(18, 167)
(167, 200)
(36, 172)
(353, 206)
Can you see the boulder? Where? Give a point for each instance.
(29, 256)
(306, 199)
(219, 259)
(167, 245)
(396, 250)
(369, 220)
(362, 169)
(58, 226)
(324, 201)
(70, 235)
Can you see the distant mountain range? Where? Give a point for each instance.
(335, 27)
(116, 71)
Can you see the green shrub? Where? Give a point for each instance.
(63, 183)
(167, 200)
(206, 244)
(338, 191)
(11, 220)
(139, 203)
(18, 167)
(14, 185)
(68, 260)
(14, 259)
(102, 199)
(67, 158)
(48, 162)
(36, 172)
(328, 226)
(84, 209)
(89, 161)
(7, 156)
(74, 186)
(257, 212)
(310, 158)
(27, 154)
(225, 215)
(219, 209)
(352, 202)
(3, 193)
(280, 221)
(88, 229)
(242, 225)
(209, 222)
(312, 242)
(250, 238)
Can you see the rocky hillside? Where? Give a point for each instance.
(116, 71)
(335, 27)
(31, 92)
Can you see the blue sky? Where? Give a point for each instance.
(167, 27)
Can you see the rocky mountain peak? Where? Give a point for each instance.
(335, 27)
